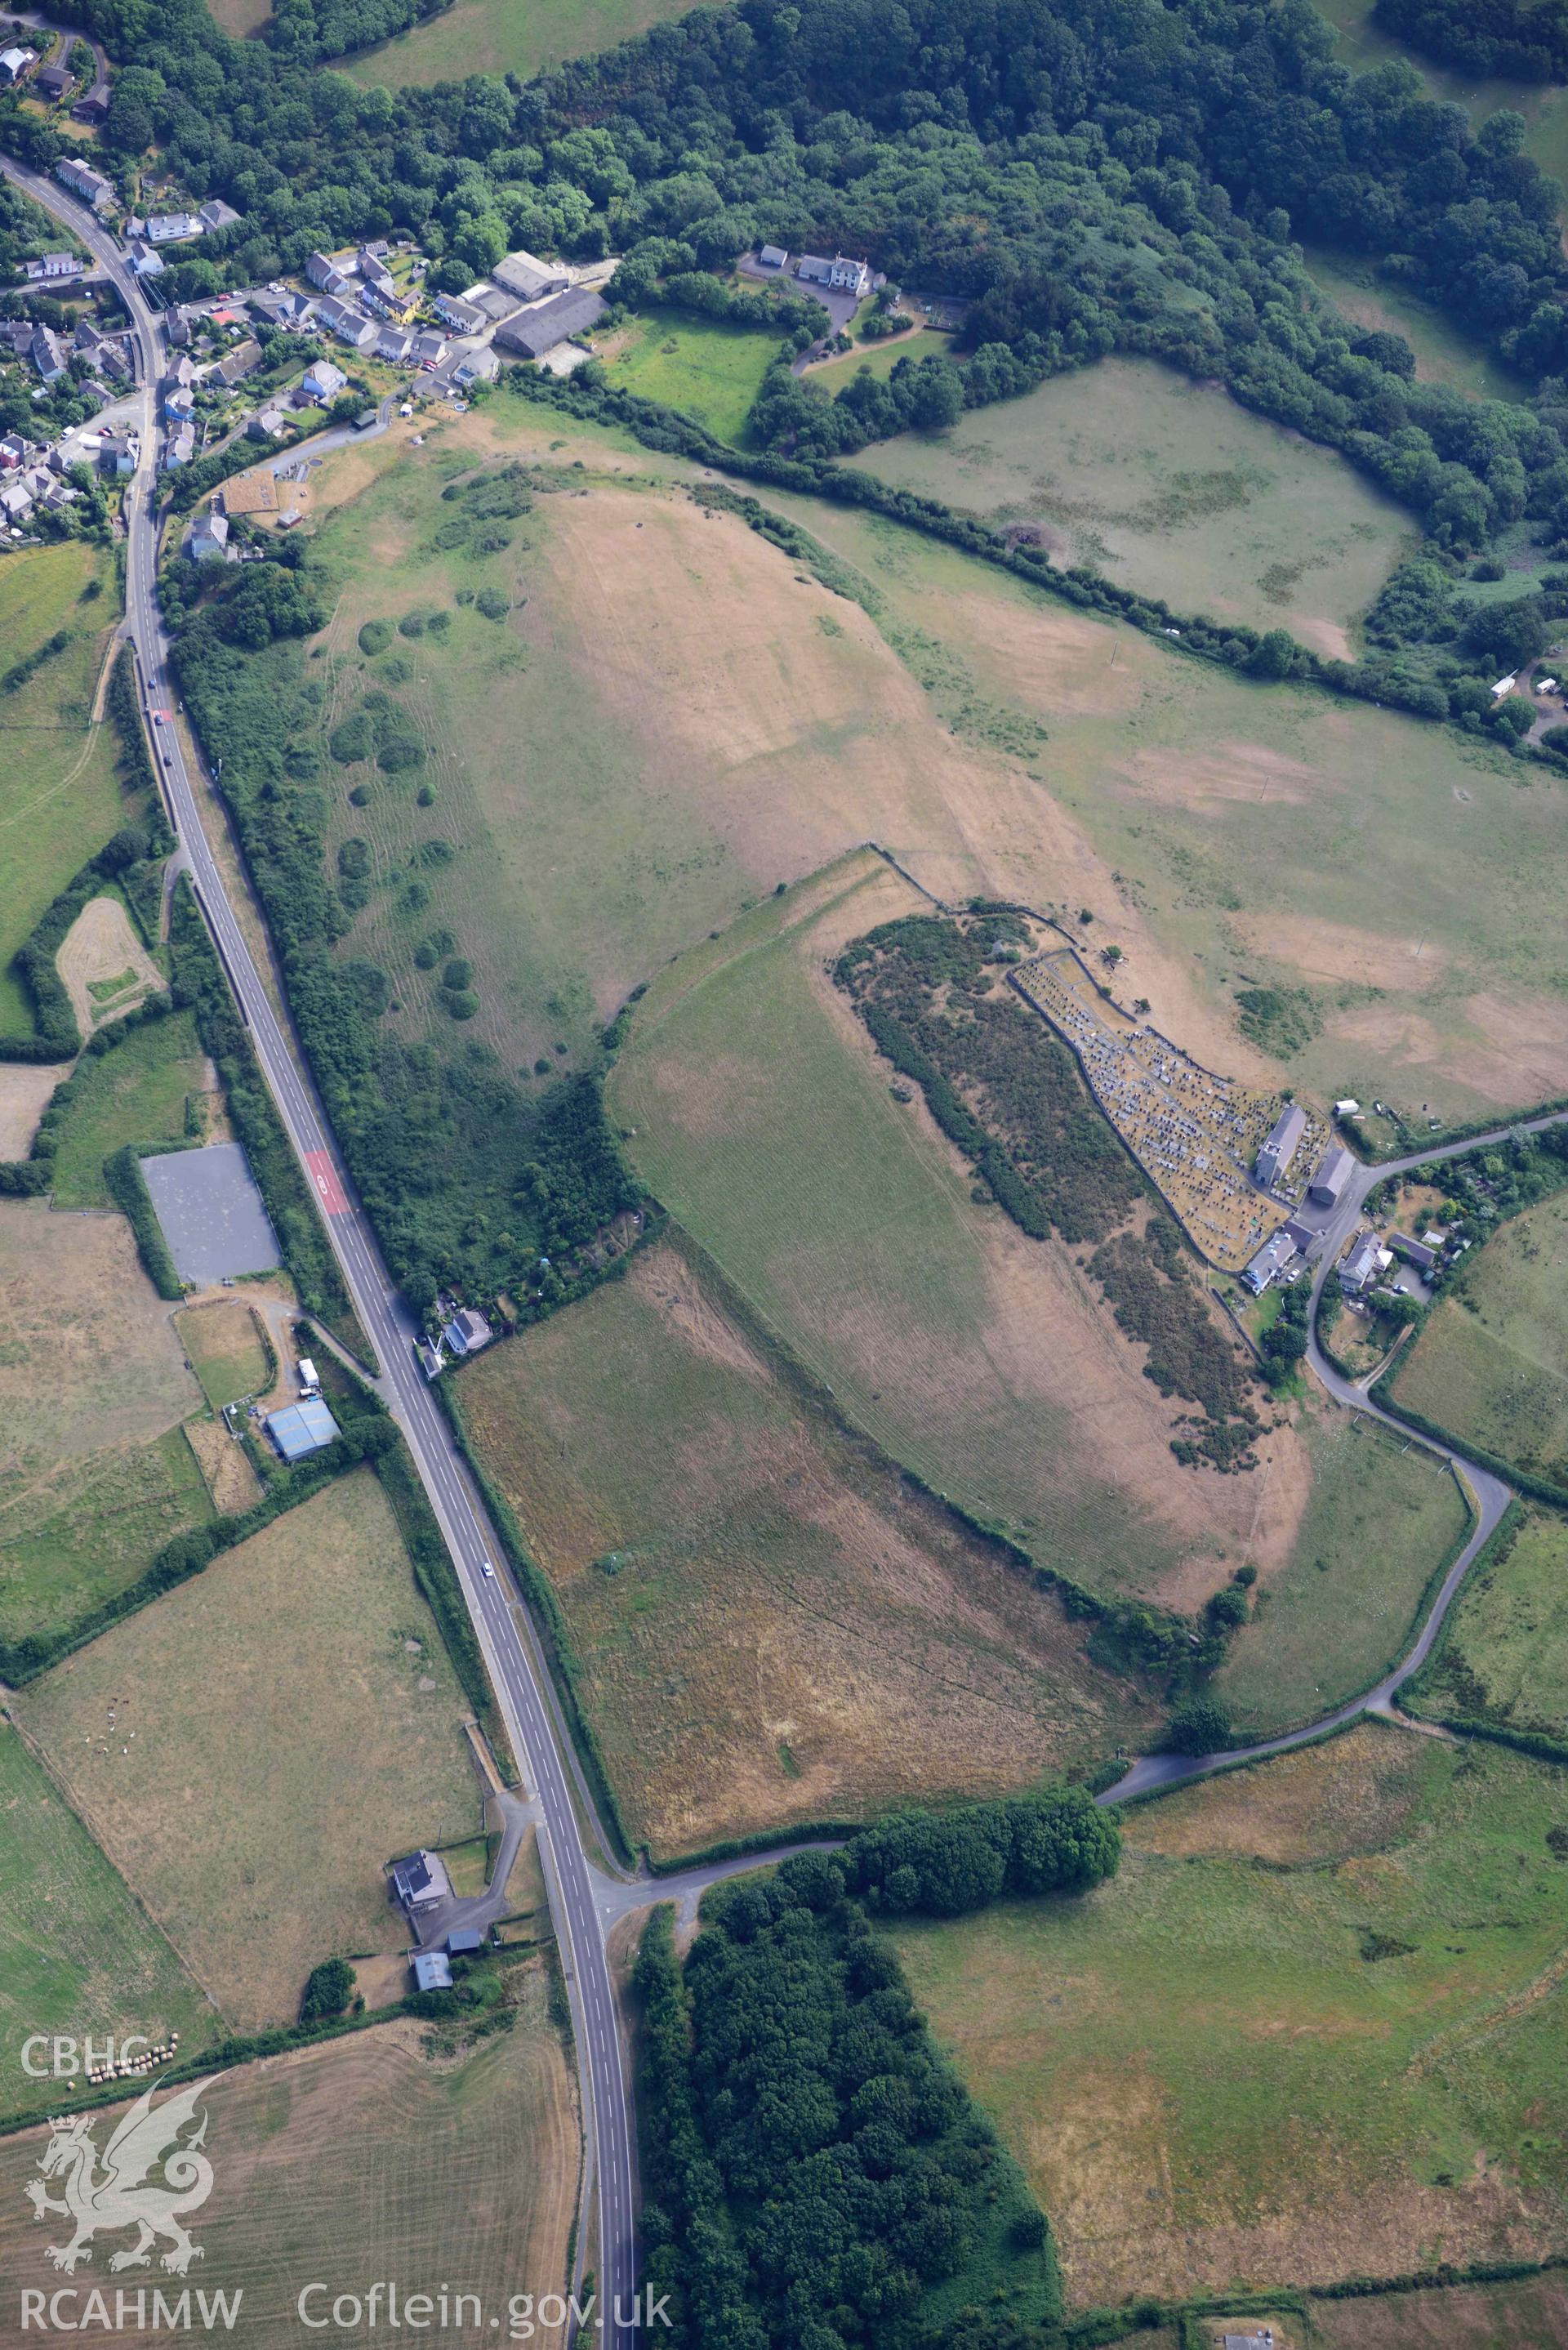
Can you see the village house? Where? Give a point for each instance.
(84, 182)
(1270, 1262)
(52, 82)
(207, 540)
(47, 357)
(235, 365)
(325, 273)
(16, 65)
(51, 268)
(464, 317)
(322, 382)
(117, 455)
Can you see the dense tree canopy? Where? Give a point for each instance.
(1525, 39)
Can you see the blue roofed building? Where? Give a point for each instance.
(302, 1429)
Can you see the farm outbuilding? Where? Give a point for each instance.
(301, 1429)
(464, 1941)
(432, 1970)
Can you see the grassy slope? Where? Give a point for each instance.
(1170, 487)
(57, 806)
(78, 1954)
(787, 1632)
(705, 366)
(1516, 2316)
(498, 37)
(278, 1682)
(850, 1231)
(1207, 2079)
(1543, 106)
(136, 1093)
(1400, 877)
(366, 2159)
(1443, 353)
(1505, 1655)
(1379, 1523)
(1491, 1363)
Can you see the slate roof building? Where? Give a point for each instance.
(524, 275)
(432, 1970)
(1279, 1149)
(419, 1881)
(534, 332)
(1269, 1263)
(1328, 1184)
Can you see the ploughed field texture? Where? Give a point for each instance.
(373, 2157)
(772, 1623)
(1309, 2030)
(1170, 487)
(285, 1722)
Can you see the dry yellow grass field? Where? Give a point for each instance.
(103, 964)
(88, 1359)
(252, 1749)
(366, 2159)
(762, 1116)
(774, 1623)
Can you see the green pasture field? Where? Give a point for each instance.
(124, 1508)
(498, 37)
(1382, 1518)
(1490, 1364)
(1444, 353)
(1396, 880)
(879, 358)
(763, 1123)
(1309, 2032)
(770, 1626)
(133, 1092)
(706, 367)
(1170, 487)
(1504, 1654)
(78, 1953)
(225, 1350)
(60, 799)
(316, 1624)
(1544, 106)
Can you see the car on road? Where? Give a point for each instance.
(487, 1570)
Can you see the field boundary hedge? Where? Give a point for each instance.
(1540, 1488)
(200, 980)
(1193, 635)
(128, 1189)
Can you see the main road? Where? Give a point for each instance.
(505, 1632)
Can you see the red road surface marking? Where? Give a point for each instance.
(328, 1190)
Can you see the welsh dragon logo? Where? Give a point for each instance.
(128, 2191)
